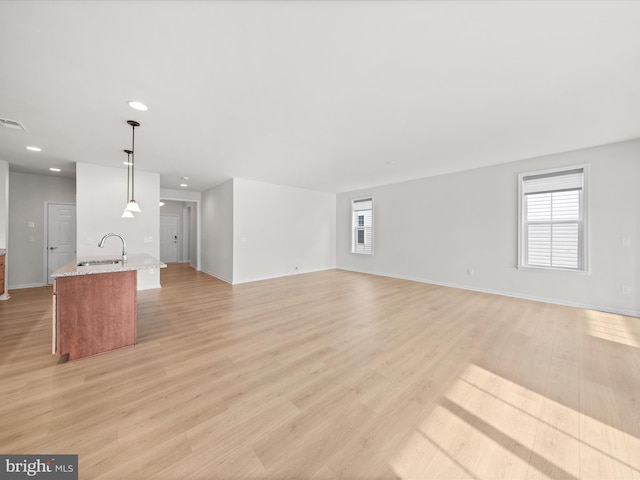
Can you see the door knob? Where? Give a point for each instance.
(52, 248)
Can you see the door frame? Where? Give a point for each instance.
(186, 234)
(198, 203)
(45, 224)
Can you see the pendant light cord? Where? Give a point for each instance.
(128, 175)
(133, 161)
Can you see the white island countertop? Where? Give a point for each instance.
(135, 261)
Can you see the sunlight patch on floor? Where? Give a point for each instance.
(614, 328)
(486, 426)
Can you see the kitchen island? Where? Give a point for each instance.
(94, 304)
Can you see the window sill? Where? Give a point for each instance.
(552, 269)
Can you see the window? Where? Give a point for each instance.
(553, 219)
(362, 226)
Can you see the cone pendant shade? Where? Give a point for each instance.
(132, 206)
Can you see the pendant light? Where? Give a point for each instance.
(127, 213)
(132, 205)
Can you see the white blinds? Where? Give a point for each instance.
(553, 205)
(553, 182)
(364, 204)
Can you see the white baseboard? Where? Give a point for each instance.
(555, 301)
(217, 276)
(149, 287)
(269, 277)
(26, 285)
(301, 272)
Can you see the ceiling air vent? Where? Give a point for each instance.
(5, 122)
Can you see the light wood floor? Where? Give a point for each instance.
(329, 375)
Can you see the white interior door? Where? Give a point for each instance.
(169, 238)
(61, 236)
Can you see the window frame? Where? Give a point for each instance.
(355, 226)
(583, 223)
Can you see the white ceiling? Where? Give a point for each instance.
(326, 95)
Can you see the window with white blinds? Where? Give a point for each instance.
(553, 219)
(362, 226)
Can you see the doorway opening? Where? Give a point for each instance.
(179, 228)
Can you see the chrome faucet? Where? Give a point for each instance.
(124, 244)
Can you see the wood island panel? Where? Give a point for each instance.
(1, 274)
(95, 313)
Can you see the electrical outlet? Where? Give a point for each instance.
(626, 241)
(626, 289)
(470, 272)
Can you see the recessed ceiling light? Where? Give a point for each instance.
(54, 169)
(138, 105)
(183, 184)
(185, 178)
(34, 149)
(162, 204)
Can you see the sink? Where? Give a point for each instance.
(87, 263)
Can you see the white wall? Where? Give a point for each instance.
(171, 207)
(4, 204)
(434, 229)
(182, 195)
(4, 218)
(281, 230)
(217, 231)
(28, 195)
(194, 235)
(101, 198)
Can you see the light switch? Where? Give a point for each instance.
(31, 224)
(626, 241)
